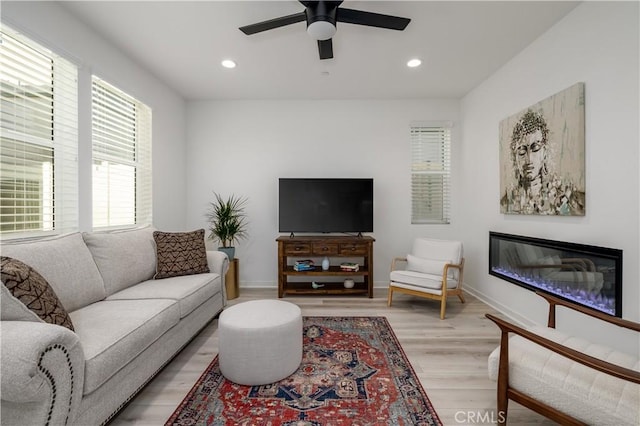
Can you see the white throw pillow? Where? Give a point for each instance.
(124, 258)
(427, 266)
(66, 264)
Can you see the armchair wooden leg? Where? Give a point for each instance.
(443, 307)
(503, 379)
(502, 411)
(389, 296)
(461, 297)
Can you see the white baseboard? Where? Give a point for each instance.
(505, 310)
(258, 284)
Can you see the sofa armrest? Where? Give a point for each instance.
(42, 373)
(555, 301)
(219, 264)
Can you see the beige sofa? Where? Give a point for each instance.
(127, 326)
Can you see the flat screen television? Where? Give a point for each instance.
(325, 205)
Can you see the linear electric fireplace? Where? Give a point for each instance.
(588, 275)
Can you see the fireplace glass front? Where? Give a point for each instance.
(588, 275)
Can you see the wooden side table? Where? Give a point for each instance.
(231, 280)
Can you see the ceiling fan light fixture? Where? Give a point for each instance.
(321, 30)
(322, 16)
(228, 63)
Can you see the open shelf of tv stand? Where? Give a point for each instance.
(292, 248)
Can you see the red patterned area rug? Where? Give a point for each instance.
(353, 372)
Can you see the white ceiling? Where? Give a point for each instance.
(183, 42)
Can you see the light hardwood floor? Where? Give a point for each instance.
(449, 356)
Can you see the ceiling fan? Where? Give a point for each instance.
(321, 17)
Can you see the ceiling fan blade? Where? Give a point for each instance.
(351, 16)
(325, 48)
(273, 23)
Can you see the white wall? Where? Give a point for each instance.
(598, 44)
(243, 147)
(54, 27)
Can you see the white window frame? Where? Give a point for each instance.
(430, 172)
(26, 93)
(121, 158)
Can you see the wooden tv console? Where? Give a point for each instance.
(295, 248)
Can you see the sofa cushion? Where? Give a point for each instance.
(428, 282)
(114, 332)
(180, 253)
(584, 393)
(124, 258)
(428, 248)
(446, 250)
(189, 291)
(428, 266)
(66, 263)
(29, 288)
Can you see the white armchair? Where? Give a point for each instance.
(434, 270)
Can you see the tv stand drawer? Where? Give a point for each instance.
(297, 249)
(325, 249)
(354, 249)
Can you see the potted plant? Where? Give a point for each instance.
(227, 222)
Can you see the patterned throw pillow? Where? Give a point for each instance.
(30, 288)
(180, 253)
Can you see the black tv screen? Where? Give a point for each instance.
(325, 205)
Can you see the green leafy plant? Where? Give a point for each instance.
(227, 219)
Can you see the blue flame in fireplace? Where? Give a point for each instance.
(593, 300)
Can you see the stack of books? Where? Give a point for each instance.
(349, 266)
(303, 265)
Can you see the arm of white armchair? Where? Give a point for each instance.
(42, 373)
(395, 261)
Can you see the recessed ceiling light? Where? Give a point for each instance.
(228, 63)
(414, 63)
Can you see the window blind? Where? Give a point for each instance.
(38, 141)
(430, 174)
(121, 134)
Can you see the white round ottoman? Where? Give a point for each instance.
(260, 341)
